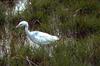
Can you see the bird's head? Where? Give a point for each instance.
(22, 24)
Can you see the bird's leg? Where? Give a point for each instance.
(49, 49)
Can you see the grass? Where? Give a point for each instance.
(67, 52)
(76, 22)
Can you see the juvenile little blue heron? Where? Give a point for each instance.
(37, 37)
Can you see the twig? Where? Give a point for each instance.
(30, 62)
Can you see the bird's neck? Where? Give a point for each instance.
(26, 30)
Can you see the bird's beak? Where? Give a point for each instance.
(17, 26)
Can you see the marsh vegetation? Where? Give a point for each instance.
(76, 22)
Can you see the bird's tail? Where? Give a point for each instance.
(55, 38)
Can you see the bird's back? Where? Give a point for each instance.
(42, 38)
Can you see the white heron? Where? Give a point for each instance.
(38, 37)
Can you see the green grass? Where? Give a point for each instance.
(67, 52)
(76, 22)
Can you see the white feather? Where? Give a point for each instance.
(37, 36)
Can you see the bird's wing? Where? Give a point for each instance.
(44, 37)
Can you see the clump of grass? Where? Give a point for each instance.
(65, 52)
(78, 19)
